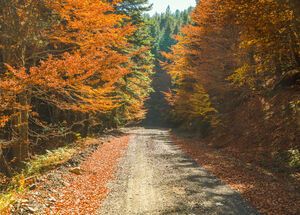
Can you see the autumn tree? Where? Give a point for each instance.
(199, 63)
(269, 41)
(79, 75)
(233, 48)
(21, 25)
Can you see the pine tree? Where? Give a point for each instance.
(135, 88)
(164, 28)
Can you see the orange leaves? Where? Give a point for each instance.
(79, 81)
(83, 77)
(90, 73)
(90, 24)
(266, 32)
(86, 191)
(14, 80)
(249, 43)
(84, 80)
(200, 61)
(269, 191)
(3, 120)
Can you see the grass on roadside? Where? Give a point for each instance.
(33, 168)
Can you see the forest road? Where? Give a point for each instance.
(156, 177)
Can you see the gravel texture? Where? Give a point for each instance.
(155, 177)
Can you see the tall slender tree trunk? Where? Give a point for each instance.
(19, 25)
(294, 48)
(295, 34)
(19, 122)
(86, 129)
(4, 167)
(20, 130)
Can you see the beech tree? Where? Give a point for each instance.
(21, 36)
(245, 46)
(79, 75)
(269, 41)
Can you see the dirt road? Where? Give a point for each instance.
(155, 177)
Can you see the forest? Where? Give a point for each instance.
(69, 73)
(225, 73)
(235, 76)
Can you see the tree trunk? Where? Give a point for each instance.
(4, 167)
(19, 122)
(86, 129)
(17, 29)
(20, 147)
(294, 48)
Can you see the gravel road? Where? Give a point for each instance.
(155, 177)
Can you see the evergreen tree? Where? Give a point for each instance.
(136, 87)
(164, 28)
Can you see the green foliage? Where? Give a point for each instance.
(78, 136)
(34, 167)
(135, 88)
(6, 199)
(48, 160)
(294, 158)
(192, 108)
(165, 26)
(242, 77)
(164, 29)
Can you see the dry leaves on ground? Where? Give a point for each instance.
(268, 193)
(86, 188)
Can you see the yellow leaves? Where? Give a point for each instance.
(265, 29)
(242, 77)
(189, 100)
(248, 43)
(195, 104)
(21, 182)
(201, 102)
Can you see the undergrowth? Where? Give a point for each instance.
(34, 167)
(294, 158)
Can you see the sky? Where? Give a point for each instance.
(161, 5)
